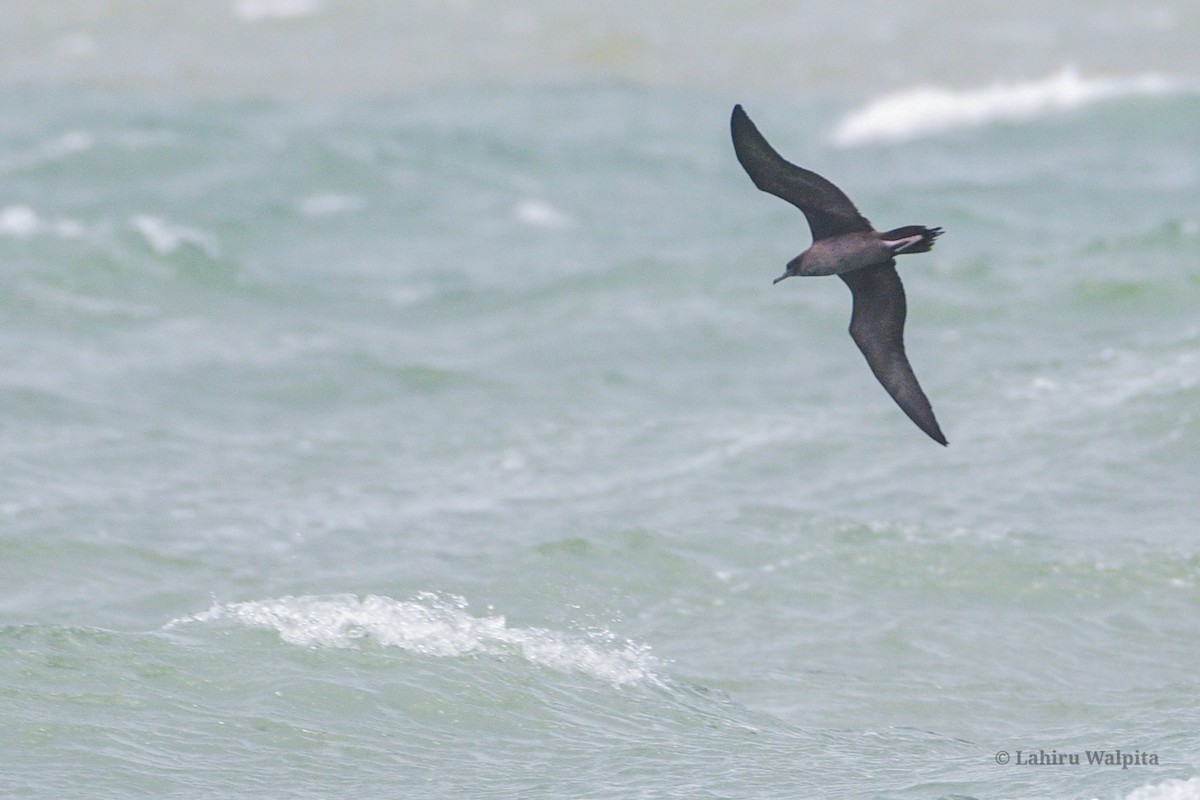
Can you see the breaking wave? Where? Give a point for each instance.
(437, 626)
(927, 110)
(1168, 790)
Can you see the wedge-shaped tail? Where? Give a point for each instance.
(911, 239)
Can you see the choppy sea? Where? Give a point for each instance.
(395, 402)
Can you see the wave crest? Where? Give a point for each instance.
(433, 625)
(926, 110)
(1168, 790)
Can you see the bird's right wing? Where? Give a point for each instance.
(877, 327)
(828, 209)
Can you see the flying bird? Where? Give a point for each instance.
(847, 245)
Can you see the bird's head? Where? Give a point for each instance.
(793, 268)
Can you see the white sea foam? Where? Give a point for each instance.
(72, 142)
(166, 237)
(1168, 790)
(926, 110)
(324, 204)
(1116, 378)
(257, 10)
(541, 215)
(87, 304)
(433, 625)
(19, 222)
(22, 222)
(76, 45)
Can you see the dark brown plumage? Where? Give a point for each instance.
(847, 245)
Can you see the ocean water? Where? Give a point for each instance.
(396, 403)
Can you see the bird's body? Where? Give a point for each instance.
(840, 254)
(847, 245)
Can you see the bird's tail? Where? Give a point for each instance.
(911, 239)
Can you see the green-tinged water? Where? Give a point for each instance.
(453, 442)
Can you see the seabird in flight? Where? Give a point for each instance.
(847, 245)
